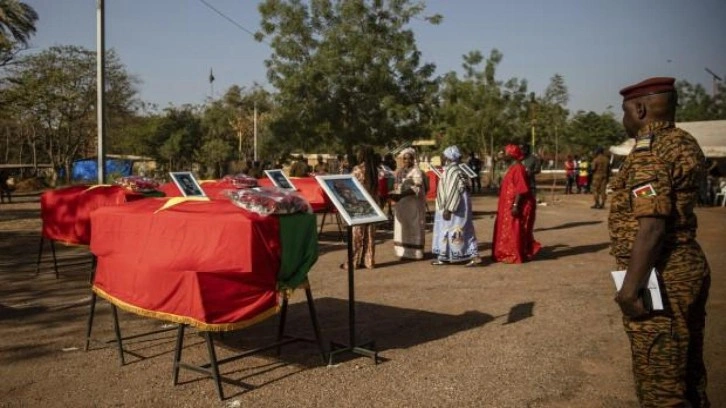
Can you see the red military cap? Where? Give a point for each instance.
(650, 86)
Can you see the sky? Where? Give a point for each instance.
(598, 46)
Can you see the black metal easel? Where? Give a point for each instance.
(366, 349)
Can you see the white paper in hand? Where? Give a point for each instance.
(653, 287)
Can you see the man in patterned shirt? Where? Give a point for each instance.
(652, 225)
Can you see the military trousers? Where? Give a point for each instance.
(667, 348)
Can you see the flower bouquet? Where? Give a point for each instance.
(137, 184)
(269, 200)
(241, 180)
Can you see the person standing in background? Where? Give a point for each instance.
(475, 164)
(533, 166)
(600, 176)
(364, 243)
(583, 176)
(570, 167)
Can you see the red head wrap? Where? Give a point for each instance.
(514, 152)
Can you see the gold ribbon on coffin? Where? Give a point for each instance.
(180, 200)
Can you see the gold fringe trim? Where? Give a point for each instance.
(185, 319)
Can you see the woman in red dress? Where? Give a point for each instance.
(513, 240)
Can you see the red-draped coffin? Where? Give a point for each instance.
(66, 211)
(209, 264)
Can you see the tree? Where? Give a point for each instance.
(695, 104)
(17, 24)
(550, 117)
(54, 91)
(478, 111)
(589, 130)
(178, 137)
(347, 72)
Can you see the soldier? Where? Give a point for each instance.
(600, 176)
(652, 225)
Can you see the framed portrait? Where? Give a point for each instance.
(279, 179)
(187, 184)
(351, 199)
(435, 170)
(467, 170)
(387, 171)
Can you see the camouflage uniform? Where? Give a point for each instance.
(600, 174)
(660, 179)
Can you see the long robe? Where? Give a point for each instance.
(454, 240)
(410, 214)
(513, 240)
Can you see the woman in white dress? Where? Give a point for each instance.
(410, 211)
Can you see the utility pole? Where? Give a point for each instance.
(100, 89)
(255, 131)
(715, 79)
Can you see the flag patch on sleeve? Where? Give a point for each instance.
(644, 191)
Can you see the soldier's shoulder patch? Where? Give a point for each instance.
(643, 143)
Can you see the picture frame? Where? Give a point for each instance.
(187, 183)
(468, 171)
(279, 179)
(351, 199)
(435, 170)
(387, 171)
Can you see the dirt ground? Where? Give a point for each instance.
(542, 334)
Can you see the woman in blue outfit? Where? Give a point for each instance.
(454, 236)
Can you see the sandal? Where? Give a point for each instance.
(474, 262)
(438, 262)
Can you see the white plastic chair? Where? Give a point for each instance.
(722, 195)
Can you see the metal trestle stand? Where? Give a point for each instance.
(366, 349)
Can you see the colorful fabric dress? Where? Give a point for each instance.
(364, 245)
(454, 240)
(513, 240)
(410, 214)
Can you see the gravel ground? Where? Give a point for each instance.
(541, 334)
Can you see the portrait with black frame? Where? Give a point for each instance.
(187, 184)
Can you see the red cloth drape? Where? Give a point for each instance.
(433, 184)
(209, 264)
(66, 211)
(513, 240)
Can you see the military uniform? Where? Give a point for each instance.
(660, 178)
(600, 175)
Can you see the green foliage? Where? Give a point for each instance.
(54, 94)
(346, 72)
(17, 24)
(695, 104)
(214, 154)
(177, 137)
(588, 130)
(478, 111)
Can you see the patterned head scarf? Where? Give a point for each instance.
(452, 153)
(514, 152)
(408, 150)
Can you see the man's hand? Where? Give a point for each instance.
(447, 215)
(631, 306)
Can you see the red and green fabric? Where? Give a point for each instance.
(209, 264)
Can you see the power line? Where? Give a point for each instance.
(226, 17)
